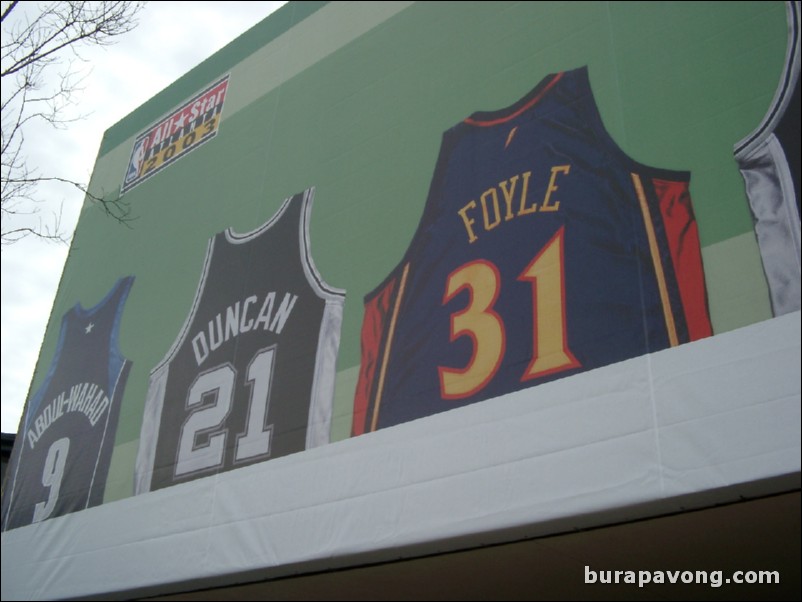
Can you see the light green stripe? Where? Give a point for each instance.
(120, 483)
(736, 285)
(343, 403)
(323, 33)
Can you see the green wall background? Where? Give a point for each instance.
(353, 99)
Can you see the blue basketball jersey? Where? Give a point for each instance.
(543, 251)
(63, 450)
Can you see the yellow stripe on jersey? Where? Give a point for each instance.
(658, 263)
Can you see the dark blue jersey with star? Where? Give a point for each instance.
(63, 449)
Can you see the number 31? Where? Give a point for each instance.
(479, 321)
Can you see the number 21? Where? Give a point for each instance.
(209, 419)
(479, 321)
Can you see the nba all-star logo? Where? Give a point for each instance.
(182, 131)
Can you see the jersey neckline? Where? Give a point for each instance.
(491, 118)
(86, 312)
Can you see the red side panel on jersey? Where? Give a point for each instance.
(686, 254)
(377, 314)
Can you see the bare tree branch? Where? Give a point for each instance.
(39, 46)
(8, 9)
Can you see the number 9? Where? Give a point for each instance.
(51, 477)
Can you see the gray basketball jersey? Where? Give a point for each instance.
(769, 160)
(251, 375)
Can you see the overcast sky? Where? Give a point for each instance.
(171, 38)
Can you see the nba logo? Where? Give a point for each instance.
(136, 161)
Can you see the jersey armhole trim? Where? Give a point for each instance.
(595, 118)
(785, 87)
(179, 340)
(313, 276)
